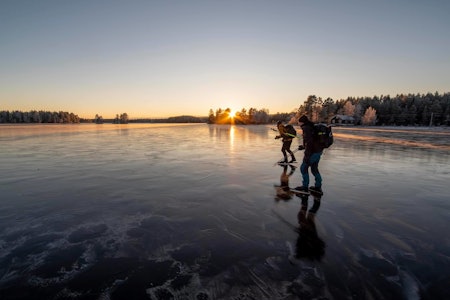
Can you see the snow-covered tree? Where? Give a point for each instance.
(370, 116)
(349, 109)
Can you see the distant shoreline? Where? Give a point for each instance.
(345, 128)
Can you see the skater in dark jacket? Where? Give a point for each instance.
(311, 158)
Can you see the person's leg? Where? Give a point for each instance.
(293, 157)
(314, 160)
(305, 175)
(284, 148)
(288, 149)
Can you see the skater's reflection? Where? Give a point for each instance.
(283, 190)
(309, 244)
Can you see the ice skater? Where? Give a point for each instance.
(287, 141)
(311, 158)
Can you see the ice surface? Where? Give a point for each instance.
(193, 211)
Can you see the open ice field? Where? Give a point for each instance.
(196, 212)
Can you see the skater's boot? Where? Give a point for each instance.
(302, 189)
(316, 190)
(284, 161)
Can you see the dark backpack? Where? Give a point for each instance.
(323, 135)
(291, 130)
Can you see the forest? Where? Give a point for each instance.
(38, 117)
(402, 110)
(61, 117)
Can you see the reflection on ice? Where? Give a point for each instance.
(309, 244)
(283, 190)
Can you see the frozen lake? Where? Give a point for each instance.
(145, 211)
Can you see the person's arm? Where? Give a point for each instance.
(308, 140)
(278, 136)
(282, 132)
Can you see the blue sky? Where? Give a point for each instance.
(167, 58)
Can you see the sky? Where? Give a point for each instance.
(154, 59)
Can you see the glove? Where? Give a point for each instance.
(301, 147)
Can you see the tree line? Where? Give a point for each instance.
(402, 110)
(119, 119)
(38, 117)
(61, 117)
(252, 116)
(66, 117)
(244, 116)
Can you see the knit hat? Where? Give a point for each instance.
(303, 119)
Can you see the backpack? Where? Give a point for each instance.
(323, 135)
(291, 130)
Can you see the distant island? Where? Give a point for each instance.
(402, 110)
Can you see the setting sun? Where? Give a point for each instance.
(232, 114)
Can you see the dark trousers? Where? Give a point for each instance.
(286, 148)
(313, 162)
